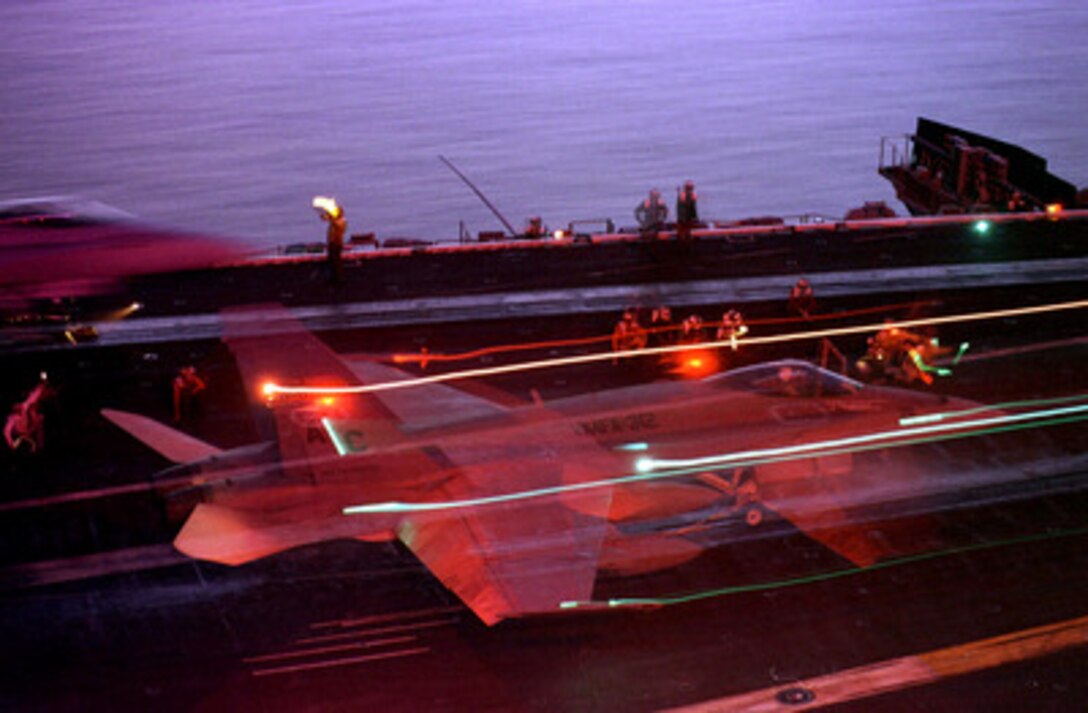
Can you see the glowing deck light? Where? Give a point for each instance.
(982, 227)
(644, 465)
(327, 400)
(1053, 209)
(696, 364)
(269, 389)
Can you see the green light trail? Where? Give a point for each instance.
(341, 447)
(674, 468)
(1003, 406)
(860, 440)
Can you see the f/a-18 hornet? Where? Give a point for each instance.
(516, 510)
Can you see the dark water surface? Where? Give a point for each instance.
(229, 117)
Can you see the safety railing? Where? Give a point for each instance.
(896, 151)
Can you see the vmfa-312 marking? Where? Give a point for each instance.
(516, 509)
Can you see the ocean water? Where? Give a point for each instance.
(228, 117)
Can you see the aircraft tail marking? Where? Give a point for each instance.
(272, 346)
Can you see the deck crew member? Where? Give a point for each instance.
(535, 228)
(24, 429)
(187, 384)
(687, 210)
(333, 213)
(732, 328)
(802, 301)
(651, 215)
(1017, 203)
(662, 328)
(628, 334)
(691, 330)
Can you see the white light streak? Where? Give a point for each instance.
(652, 469)
(272, 389)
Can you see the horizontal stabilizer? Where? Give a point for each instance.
(231, 536)
(227, 536)
(510, 560)
(171, 444)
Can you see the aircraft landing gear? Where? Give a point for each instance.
(741, 486)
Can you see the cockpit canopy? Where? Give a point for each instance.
(60, 212)
(789, 378)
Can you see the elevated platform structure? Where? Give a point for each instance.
(942, 169)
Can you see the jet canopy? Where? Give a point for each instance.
(790, 378)
(58, 212)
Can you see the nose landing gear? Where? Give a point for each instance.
(739, 485)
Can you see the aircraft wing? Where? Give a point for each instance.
(518, 557)
(517, 534)
(503, 554)
(425, 405)
(813, 494)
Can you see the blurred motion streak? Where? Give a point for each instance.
(53, 248)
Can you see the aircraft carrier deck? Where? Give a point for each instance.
(99, 612)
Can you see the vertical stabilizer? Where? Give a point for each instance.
(272, 347)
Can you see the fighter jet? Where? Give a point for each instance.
(61, 247)
(517, 509)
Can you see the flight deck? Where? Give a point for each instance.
(102, 611)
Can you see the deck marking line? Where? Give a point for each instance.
(382, 618)
(897, 674)
(80, 567)
(353, 646)
(340, 662)
(77, 496)
(374, 632)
